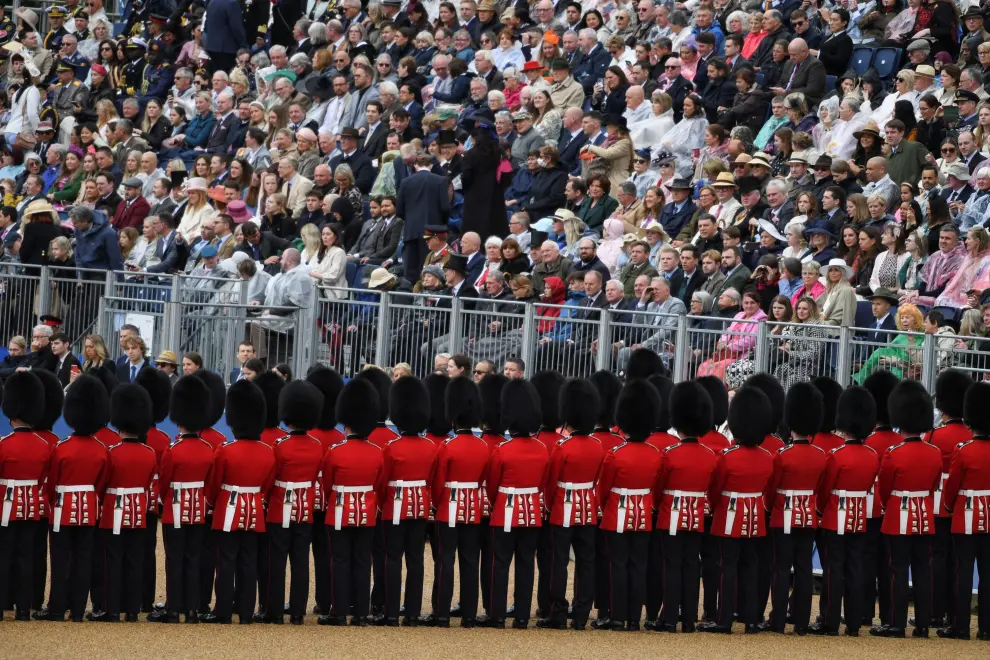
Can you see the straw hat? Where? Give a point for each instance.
(168, 357)
(725, 180)
(837, 263)
(41, 207)
(871, 128)
(379, 277)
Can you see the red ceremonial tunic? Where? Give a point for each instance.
(327, 439)
(828, 441)
(736, 492)
(625, 488)
(947, 437)
(243, 474)
(407, 478)
(272, 434)
(184, 473)
(298, 459)
(158, 441)
(909, 474)
(78, 469)
(967, 490)
(516, 471)
(437, 438)
(880, 441)
(108, 437)
(660, 440)
(790, 493)
(213, 437)
(681, 490)
(608, 439)
(24, 460)
(457, 492)
(569, 491)
(125, 496)
(352, 474)
(841, 496)
(772, 443)
(52, 440)
(715, 441)
(381, 436)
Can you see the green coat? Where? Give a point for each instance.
(904, 166)
(595, 217)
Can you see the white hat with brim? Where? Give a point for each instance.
(837, 263)
(770, 228)
(196, 183)
(380, 276)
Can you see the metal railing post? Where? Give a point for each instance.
(761, 352)
(929, 363)
(381, 338)
(529, 337)
(682, 349)
(45, 292)
(604, 345)
(455, 326)
(843, 364)
(102, 327)
(108, 289)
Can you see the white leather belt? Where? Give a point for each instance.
(938, 492)
(905, 496)
(569, 488)
(235, 491)
(789, 496)
(398, 485)
(290, 488)
(62, 490)
(968, 510)
(730, 514)
(675, 506)
(118, 507)
(177, 498)
(841, 511)
(455, 486)
(338, 509)
(510, 502)
(8, 498)
(620, 513)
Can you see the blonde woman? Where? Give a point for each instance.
(132, 169)
(269, 187)
(198, 208)
(106, 113)
(839, 306)
(310, 236)
(797, 247)
(95, 356)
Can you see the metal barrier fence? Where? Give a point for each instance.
(351, 328)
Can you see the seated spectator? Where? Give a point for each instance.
(902, 355)
(293, 287)
(16, 357)
(598, 205)
(738, 340)
(660, 312)
(514, 261)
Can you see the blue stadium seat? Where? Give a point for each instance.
(864, 314)
(829, 83)
(861, 60)
(886, 61)
(759, 79)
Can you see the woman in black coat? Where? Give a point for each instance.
(37, 235)
(836, 49)
(749, 107)
(611, 99)
(483, 183)
(546, 194)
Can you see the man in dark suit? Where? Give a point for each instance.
(169, 249)
(471, 248)
(61, 349)
(733, 54)
(803, 73)
(680, 209)
(836, 49)
(224, 32)
(359, 162)
(388, 233)
(884, 304)
(958, 189)
(689, 277)
(572, 138)
(262, 246)
(373, 143)
(736, 273)
(109, 199)
(969, 151)
(781, 209)
(223, 133)
(423, 199)
(596, 59)
(135, 359)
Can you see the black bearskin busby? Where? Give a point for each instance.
(691, 409)
(54, 398)
(548, 384)
(131, 409)
(950, 391)
(608, 386)
(24, 398)
(643, 363)
(664, 386)
(856, 413)
(462, 402)
(87, 405)
(379, 380)
(358, 407)
(409, 405)
(881, 384)
(246, 410)
(191, 405)
(976, 408)
(831, 391)
(436, 387)
(300, 405)
(911, 408)
(520, 407)
(719, 397)
(635, 410)
(329, 383)
(156, 383)
(580, 406)
(804, 408)
(271, 385)
(775, 395)
(750, 417)
(218, 396)
(490, 389)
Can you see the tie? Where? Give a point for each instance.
(793, 73)
(133, 373)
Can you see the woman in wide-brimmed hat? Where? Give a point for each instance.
(869, 145)
(839, 306)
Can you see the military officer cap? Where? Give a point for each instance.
(156, 46)
(65, 65)
(80, 13)
(964, 95)
(57, 12)
(136, 42)
(158, 18)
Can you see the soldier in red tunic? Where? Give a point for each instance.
(298, 457)
(405, 497)
(271, 385)
(185, 470)
(877, 575)
(97, 588)
(827, 439)
(243, 475)
(569, 496)
(78, 470)
(547, 384)
(608, 387)
(457, 498)
(516, 471)
(909, 475)
(625, 488)
(156, 383)
(850, 471)
(54, 398)
(715, 441)
(124, 511)
(950, 392)
(330, 384)
(966, 495)
(352, 475)
(438, 432)
(736, 496)
(681, 495)
(493, 434)
(24, 460)
(790, 498)
(661, 438)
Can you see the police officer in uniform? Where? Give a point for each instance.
(56, 21)
(158, 75)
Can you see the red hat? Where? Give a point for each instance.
(51, 321)
(238, 211)
(532, 66)
(100, 69)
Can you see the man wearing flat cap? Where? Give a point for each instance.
(132, 211)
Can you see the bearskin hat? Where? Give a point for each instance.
(804, 408)
(635, 410)
(750, 417)
(643, 363)
(691, 409)
(881, 384)
(271, 385)
(719, 396)
(218, 396)
(976, 408)
(87, 405)
(300, 404)
(156, 383)
(131, 409)
(329, 383)
(358, 407)
(520, 406)
(24, 398)
(436, 387)
(247, 410)
(911, 409)
(382, 384)
(664, 386)
(490, 389)
(462, 402)
(548, 384)
(608, 386)
(192, 405)
(831, 391)
(409, 403)
(856, 412)
(54, 397)
(950, 391)
(106, 378)
(775, 395)
(580, 406)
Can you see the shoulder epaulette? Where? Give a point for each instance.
(964, 443)
(228, 442)
(732, 448)
(339, 444)
(893, 447)
(619, 446)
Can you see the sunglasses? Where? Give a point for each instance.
(671, 67)
(902, 80)
(639, 160)
(948, 150)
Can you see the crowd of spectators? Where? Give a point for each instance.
(730, 160)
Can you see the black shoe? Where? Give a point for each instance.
(851, 632)
(440, 622)
(887, 631)
(632, 627)
(246, 621)
(131, 618)
(606, 624)
(920, 632)
(296, 620)
(488, 622)
(410, 621)
(94, 615)
(668, 627)
(800, 632)
(48, 615)
(570, 612)
(520, 624)
(951, 633)
(455, 611)
(650, 624)
(755, 629)
(285, 609)
(578, 626)
(317, 609)
(549, 624)
(105, 617)
(276, 620)
(712, 627)
(819, 629)
(327, 620)
(210, 617)
(469, 623)
(983, 636)
(163, 617)
(359, 621)
(510, 611)
(261, 616)
(764, 626)
(22, 615)
(203, 611)
(686, 627)
(159, 607)
(75, 619)
(192, 616)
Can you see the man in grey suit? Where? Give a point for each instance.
(802, 73)
(736, 273)
(362, 94)
(423, 199)
(660, 313)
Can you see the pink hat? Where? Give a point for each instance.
(196, 183)
(307, 134)
(238, 211)
(100, 69)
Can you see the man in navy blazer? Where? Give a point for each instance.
(592, 69)
(675, 85)
(679, 210)
(225, 128)
(359, 162)
(422, 199)
(224, 33)
(572, 138)
(169, 248)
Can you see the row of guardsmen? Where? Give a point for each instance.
(636, 480)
